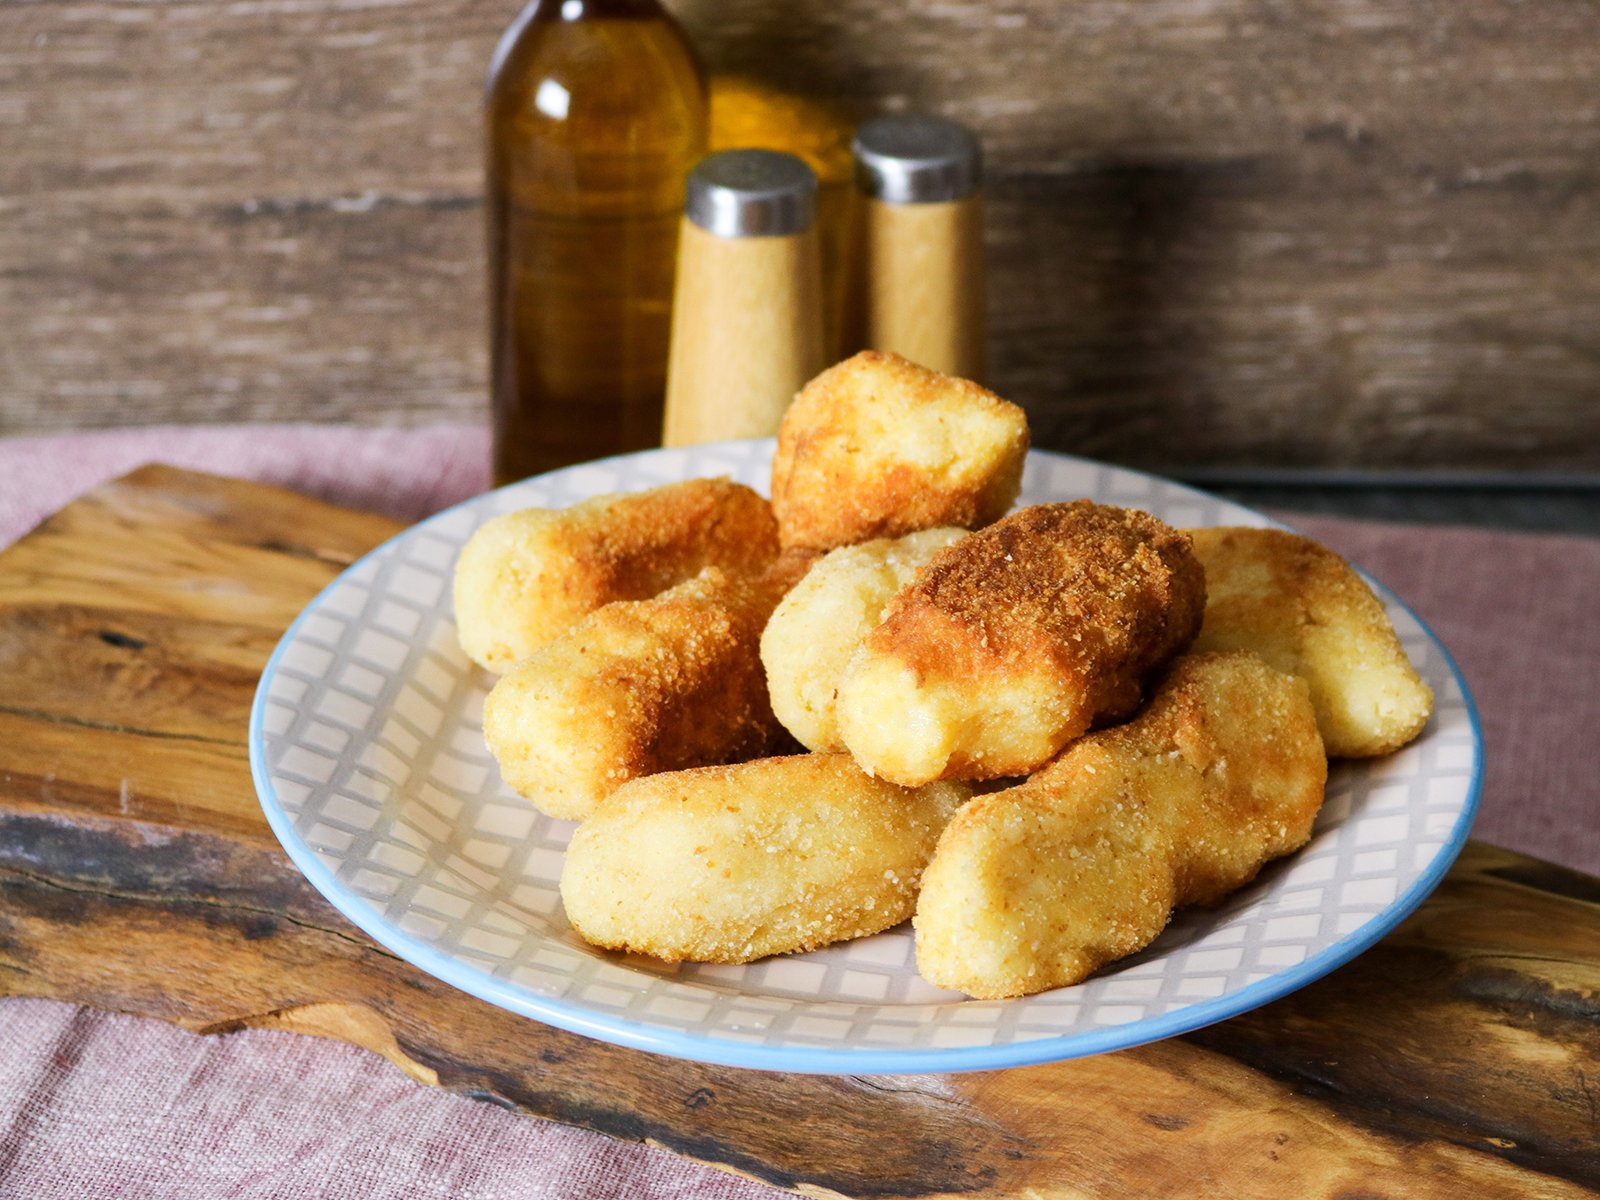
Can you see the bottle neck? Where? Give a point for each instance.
(583, 10)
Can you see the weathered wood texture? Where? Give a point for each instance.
(1458, 1058)
(1325, 233)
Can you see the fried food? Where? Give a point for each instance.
(729, 864)
(877, 446)
(638, 687)
(816, 628)
(527, 576)
(1014, 639)
(1305, 610)
(1039, 886)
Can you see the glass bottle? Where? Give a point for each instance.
(596, 111)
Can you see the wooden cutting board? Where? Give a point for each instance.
(1460, 1057)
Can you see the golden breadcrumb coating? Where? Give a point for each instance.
(636, 687)
(1014, 639)
(812, 634)
(729, 864)
(525, 577)
(877, 446)
(1039, 886)
(1305, 610)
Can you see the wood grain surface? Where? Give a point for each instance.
(1459, 1057)
(922, 291)
(1327, 233)
(747, 333)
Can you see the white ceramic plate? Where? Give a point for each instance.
(367, 748)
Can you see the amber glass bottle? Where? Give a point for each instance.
(596, 111)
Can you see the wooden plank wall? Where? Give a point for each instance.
(1319, 233)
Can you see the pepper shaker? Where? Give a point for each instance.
(921, 292)
(747, 308)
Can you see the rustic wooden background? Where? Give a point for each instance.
(1319, 233)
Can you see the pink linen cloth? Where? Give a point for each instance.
(103, 1105)
(98, 1106)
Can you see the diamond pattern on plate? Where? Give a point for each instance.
(369, 745)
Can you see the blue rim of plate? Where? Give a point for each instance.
(576, 1018)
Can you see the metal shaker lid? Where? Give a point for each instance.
(917, 159)
(751, 193)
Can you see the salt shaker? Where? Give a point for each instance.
(920, 291)
(747, 307)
